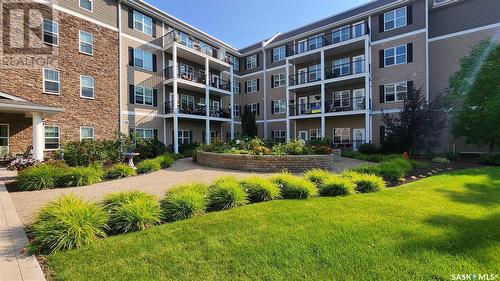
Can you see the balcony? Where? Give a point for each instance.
(345, 69)
(193, 44)
(218, 83)
(305, 77)
(199, 110)
(305, 109)
(345, 104)
(198, 77)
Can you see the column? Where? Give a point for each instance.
(207, 101)
(38, 136)
(322, 89)
(176, 100)
(232, 102)
(287, 96)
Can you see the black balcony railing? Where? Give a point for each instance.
(345, 69)
(219, 83)
(305, 77)
(198, 109)
(337, 35)
(345, 104)
(222, 112)
(305, 108)
(193, 43)
(192, 75)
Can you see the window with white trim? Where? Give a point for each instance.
(144, 133)
(4, 140)
(314, 73)
(341, 98)
(86, 43)
(237, 110)
(52, 137)
(86, 4)
(252, 86)
(279, 80)
(251, 61)
(395, 55)
(51, 81)
(183, 136)
(187, 102)
(279, 53)
(395, 91)
(341, 135)
(235, 62)
(314, 134)
(143, 59)
(315, 42)
(143, 95)
(341, 34)
(254, 108)
(395, 19)
(143, 23)
(341, 67)
(86, 133)
(236, 87)
(278, 135)
(279, 106)
(86, 87)
(50, 32)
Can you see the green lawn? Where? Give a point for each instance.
(427, 230)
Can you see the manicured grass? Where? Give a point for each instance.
(426, 230)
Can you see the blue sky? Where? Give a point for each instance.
(244, 22)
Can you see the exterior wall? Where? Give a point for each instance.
(20, 132)
(277, 93)
(197, 128)
(125, 10)
(352, 122)
(105, 11)
(260, 64)
(255, 97)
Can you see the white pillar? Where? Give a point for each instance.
(322, 89)
(38, 137)
(176, 100)
(232, 102)
(264, 86)
(287, 97)
(207, 101)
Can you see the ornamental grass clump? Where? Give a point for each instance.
(147, 166)
(184, 201)
(260, 189)
(225, 193)
(368, 183)
(67, 223)
(317, 176)
(294, 187)
(39, 177)
(165, 160)
(336, 185)
(132, 211)
(81, 176)
(120, 170)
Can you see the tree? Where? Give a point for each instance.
(416, 126)
(248, 123)
(474, 96)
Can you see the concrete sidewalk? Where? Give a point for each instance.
(14, 266)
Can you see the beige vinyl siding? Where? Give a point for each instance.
(105, 11)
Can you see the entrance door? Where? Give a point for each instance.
(215, 108)
(303, 105)
(358, 99)
(303, 135)
(215, 81)
(301, 46)
(358, 64)
(358, 138)
(302, 76)
(4, 140)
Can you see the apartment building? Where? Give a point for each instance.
(156, 75)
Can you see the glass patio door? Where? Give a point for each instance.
(359, 138)
(4, 140)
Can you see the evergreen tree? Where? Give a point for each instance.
(248, 123)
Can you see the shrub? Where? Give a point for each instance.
(415, 164)
(61, 164)
(120, 170)
(294, 187)
(490, 159)
(81, 176)
(317, 176)
(295, 147)
(184, 201)
(20, 164)
(260, 189)
(149, 165)
(336, 185)
(225, 193)
(367, 148)
(390, 170)
(38, 177)
(86, 152)
(261, 150)
(149, 148)
(165, 160)
(370, 157)
(441, 160)
(188, 149)
(322, 149)
(67, 223)
(131, 211)
(368, 183)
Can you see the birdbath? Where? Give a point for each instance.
(130, 158)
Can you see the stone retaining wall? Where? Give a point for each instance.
(267, 163)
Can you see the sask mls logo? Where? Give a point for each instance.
(29, 33)
(475, 276)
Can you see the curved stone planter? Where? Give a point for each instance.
(267, 163)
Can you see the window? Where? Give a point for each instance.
(86, 87)
(235, 62)
(183, 136)
(86, 4)
(341, 34)
(315, 42)
(236, 87)
(341, 99)
(396, 91)
(279, 106)
(186, 71)
(205, 48)
(254, 108)
(278, 80)
(143, 23)
(341, 67)
(86, 43)
(314, 73)
(237, 110)
(279, 135)
(395, 55)
(143, 59)
(50, 32)
(252, 86)
(52, 137)
(51, 81)
(314, 134)
(144, 133)
(251, 62)
(358, 29)
(442, 2)
(4, 140)
(185, 40)
(341, 135)
(395, 19)
(86, 133)
(143, 95)
(187, 102)
(279, 53)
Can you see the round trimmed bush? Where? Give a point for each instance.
(38, 177)
(81, 176)
(165, 160)
(225, 193)
(260, 189)
(294, 187)
(184, 201)
(67, 223)
(317, 176)
(131, 211)
(336, 185)
(120, 170)
(149, 165)
(368, 183)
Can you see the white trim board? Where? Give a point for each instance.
(144, 42)
(399, 36)
(463, 32)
